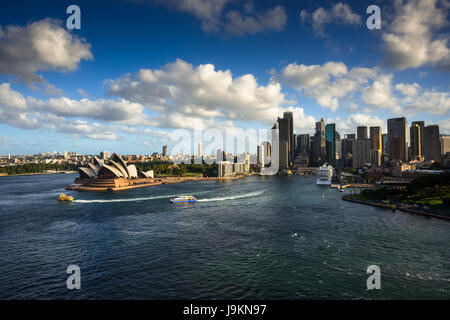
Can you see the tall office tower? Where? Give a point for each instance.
(290, 117)
(260, 155)
(295, 146)
(330, 139)
(431, 143)
(347, 150)
(319, 150)
(361, 152)
(416, 134)
(284, 139)
(384, 148)
(421, 124)
(362, 132)
(220, 155)
(375, 157)
(200, 149)
(267, 151)
(303, 144)
(284, 154)
(284, 132)
(445, 145)
(398, 139)
(375, 138)
(165, 151)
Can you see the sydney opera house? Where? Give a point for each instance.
(110, 174)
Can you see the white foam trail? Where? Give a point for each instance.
(247, 195)
(123, 200)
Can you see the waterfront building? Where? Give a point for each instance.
(246, 162)
(330, 140)
(238, 168)
(361, 152)
(361, 132)
(111, 173)
(398, 139)
(431, 143)
(224, 169)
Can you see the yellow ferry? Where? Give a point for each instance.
(64, 197)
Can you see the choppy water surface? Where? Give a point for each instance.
(255, 238)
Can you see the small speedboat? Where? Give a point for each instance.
(64, 197)
(183, 199)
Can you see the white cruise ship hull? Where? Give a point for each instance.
(324, 175)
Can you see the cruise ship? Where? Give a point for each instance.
(324, 174)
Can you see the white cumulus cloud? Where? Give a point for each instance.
(40, 46)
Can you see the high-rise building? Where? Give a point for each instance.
(303, 142)
(200, 149)
(260, 155)
(375, 139)
(361, 152)
(285, 128)
(421, 124)
(284, 132)
(221, 155)
(445, 145)
(416, 135)
(290, 118)
(347, 149)
(376, 146)
(431, 143)
(165, 151)
(398, 139)
(375, 157)
(361, 132)
(384, 147)
(267, 151)
(330, 140)
(319, 149)
(284, 155)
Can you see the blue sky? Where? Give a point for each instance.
(137, 70)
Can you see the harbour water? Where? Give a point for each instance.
(254, 238)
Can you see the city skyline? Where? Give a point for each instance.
(237, 66)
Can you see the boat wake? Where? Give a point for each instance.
(123, 200)
(246, 195)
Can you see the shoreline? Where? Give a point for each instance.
(35, 173)
(165, 180)
(393, 207)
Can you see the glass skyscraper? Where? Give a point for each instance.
(330, 141)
